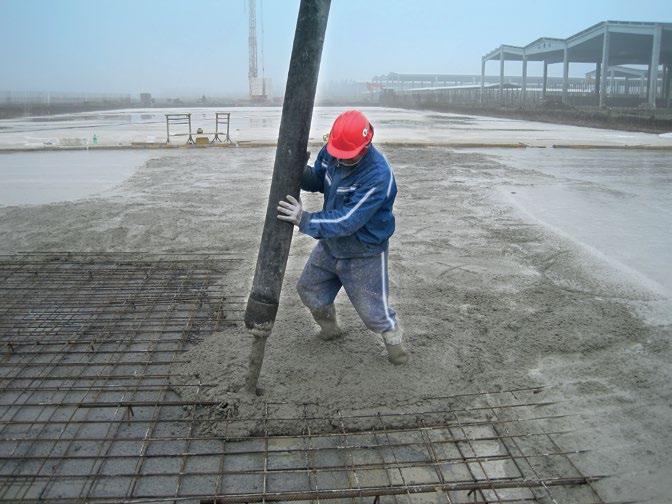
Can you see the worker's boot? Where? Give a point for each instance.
(326, 319)
(396, 353)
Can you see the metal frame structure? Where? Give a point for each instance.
(605, 44)
(88, 412)
(414, 82)
(178, 119)
(224, 119)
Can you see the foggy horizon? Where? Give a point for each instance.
(169, 49)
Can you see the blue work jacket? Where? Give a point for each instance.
(356, 219)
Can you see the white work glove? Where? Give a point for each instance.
(290, 210)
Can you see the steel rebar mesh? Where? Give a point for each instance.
(87, 413)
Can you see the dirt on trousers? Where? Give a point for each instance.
(487, 301)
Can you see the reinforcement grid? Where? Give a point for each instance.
(87, 413)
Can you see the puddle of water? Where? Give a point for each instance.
(616, 202)
(46, 177)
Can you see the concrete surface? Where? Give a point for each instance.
(260, 124)
(613, 205)
(489, 297)
(46, 177)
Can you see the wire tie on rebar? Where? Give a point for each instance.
(11, 347)
(129, 409)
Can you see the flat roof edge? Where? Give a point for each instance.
(597, 26)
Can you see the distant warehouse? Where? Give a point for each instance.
(608, 45)
(605, 44)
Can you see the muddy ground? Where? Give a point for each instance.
(487, 300)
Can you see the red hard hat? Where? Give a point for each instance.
(350, 133)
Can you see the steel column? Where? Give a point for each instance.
(655, 61)
(483, 61)
(565, 75)
(524, 93)
(664, 86)
(501, 75)
(605, 66)
(668, 85)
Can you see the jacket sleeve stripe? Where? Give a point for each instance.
(347, 215)
(389, 186)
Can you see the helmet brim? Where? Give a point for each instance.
(344, 154)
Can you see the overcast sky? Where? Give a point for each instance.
(182, 46)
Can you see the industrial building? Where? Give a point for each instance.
(604, 44)
(608, 45)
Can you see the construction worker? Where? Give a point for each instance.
(352, 230)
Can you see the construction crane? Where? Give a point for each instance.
(258, 86)
(252, 40)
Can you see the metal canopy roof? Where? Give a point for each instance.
(630, 43)
(621, 71)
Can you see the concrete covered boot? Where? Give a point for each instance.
(326, 319)
(396, 353)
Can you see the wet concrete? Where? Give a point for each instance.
(260, 124)
(616, 206)
(46, 177)
(488, 297)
